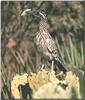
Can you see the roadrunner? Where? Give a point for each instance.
(46, 45)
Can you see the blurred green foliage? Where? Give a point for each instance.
(66, 27)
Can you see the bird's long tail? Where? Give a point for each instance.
(60, 65)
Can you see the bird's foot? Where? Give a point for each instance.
(52, 72)
(61, 73)
(61, 76)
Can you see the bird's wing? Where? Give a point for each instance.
(51, 46)
(53, 50)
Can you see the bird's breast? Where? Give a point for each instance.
(41, 43)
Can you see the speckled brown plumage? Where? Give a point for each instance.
(46, 45)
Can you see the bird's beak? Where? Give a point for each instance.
(25, 12)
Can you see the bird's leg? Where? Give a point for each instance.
(42, 66)
(52, 67)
